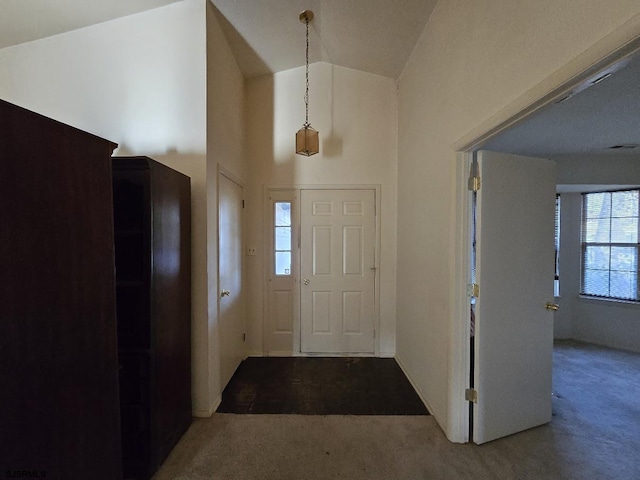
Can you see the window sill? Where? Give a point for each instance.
(609, 301)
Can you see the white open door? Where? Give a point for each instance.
(515, 273)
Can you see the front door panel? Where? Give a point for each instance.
(337, 271)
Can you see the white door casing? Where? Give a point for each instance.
(515, 272)
(338, 271)
(230, 304)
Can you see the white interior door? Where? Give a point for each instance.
(515, 273)
(337, 271)
(231, 310)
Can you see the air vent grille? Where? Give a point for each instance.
(625, 146)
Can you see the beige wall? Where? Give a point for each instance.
(355, 113)
(473, 59)
(139, 81)
(225, 150)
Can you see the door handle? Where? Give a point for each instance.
(306, 281)
(552, 306)
(224, 293)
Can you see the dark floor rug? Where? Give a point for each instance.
(321, 386)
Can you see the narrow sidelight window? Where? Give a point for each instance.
(282, 238)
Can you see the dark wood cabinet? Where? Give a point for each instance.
(59, 414)
(153, 292)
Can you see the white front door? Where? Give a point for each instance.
(231, 308)
(515, 273)
(337, 271)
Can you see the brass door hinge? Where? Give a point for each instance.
(471, 395)
(474, 184)
(473, 290)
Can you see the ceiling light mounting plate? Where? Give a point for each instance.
(306, 16)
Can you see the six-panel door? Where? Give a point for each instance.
(337, 271)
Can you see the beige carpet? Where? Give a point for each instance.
(589, 438)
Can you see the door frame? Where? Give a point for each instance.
(577, 74)
(297, 188)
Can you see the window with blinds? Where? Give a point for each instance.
(610, 248)
(556, 281)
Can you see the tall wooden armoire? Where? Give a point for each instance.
(153, 283)
(58, 361)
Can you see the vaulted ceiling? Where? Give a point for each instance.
(266, 36)
(26, 20)
(375, 36)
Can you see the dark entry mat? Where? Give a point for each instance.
(321, 386)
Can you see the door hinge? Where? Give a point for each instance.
(244, 337)
(473, 290)
(471, 395)
(242, 203)
(374, 333)
(474, 184)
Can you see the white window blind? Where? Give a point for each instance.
(610, 248)
(556, 281)
(282, 238)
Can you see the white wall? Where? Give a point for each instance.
(225, 150)
(139, 81)
(355, 113)
(610, 323)
(598, 169)
(472, 60)
(569, 264)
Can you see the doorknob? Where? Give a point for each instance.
(306, 281)
(552, 306)
(225, 293)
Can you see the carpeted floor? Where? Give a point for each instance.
(321, 386)
(595, 434)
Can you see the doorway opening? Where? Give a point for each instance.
(578, 81)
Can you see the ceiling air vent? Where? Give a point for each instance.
(601, 78)
(625, 146)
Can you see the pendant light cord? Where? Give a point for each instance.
(306, 93)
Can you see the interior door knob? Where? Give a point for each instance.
(225, 293)
(552, 306)
(306, 281)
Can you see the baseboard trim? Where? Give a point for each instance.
(202, 413)
(210, 411)
(302, 354)
(415, 387)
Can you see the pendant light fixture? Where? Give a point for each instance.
(307, 139)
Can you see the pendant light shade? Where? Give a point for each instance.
(307, 138)
(307, 141)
